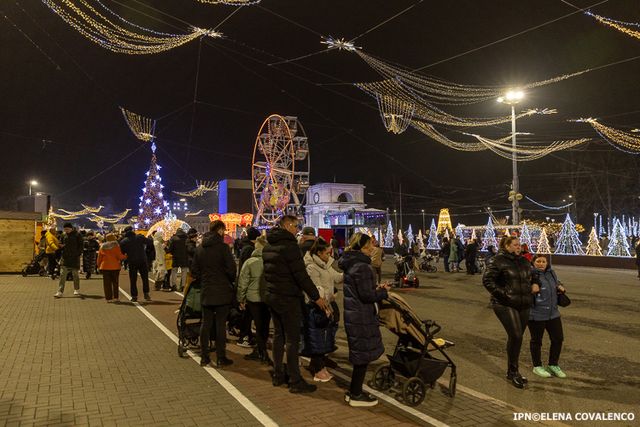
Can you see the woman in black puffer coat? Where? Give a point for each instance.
(508, 279)
(361, 292)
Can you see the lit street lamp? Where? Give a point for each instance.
(512, 98)
(32, 183)
(425, 230)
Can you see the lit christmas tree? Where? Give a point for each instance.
(388, 237)
(593, 246)
(474, 236)
(489, 236)
(400, 237)
(153, 207)
(410, 237)
(619, 244)
(568, 240)
(433, 243)
(543, 243)
(444, 220)
(525, 236)
(446, 234)
(420, 240)
(460, 232)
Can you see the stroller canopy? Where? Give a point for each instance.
(397, 316)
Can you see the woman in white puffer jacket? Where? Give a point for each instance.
(319, 267)
(159, 268)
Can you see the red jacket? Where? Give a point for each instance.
(110, 256)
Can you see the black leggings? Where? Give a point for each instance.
(514, 322)
(357, 379)
(537, 328)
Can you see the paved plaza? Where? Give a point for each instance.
(81, 361)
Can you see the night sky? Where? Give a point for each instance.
(60, 122)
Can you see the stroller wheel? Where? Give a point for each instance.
(452, 384)
(384, 378)
(180, 351)
(42, 272)
(414, 391)
(24, 272)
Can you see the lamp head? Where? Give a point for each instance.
(33, 182)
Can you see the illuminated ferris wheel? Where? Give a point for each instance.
(280, 169)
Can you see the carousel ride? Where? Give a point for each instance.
(280, 169)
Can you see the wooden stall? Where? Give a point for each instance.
(17, 238)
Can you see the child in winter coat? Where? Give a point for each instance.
(321, 340)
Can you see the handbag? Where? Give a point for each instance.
(563, 299)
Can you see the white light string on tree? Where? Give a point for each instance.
(128, 38)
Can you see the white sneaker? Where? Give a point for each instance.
(57, 295)
(76, 293)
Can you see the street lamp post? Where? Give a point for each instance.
(395, 215)
(423, 227)
(32, 183)
(512, 98)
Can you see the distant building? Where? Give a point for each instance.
(330, 198)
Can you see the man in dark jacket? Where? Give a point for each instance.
(71, 245)
(134, 246)
(192, 243)
(248, 245)
(470, 254)
(444, 253)
(177, 247)
(214, 267)
(287, 277)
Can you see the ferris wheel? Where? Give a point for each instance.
(280, 169)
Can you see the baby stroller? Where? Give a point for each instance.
(35, 266)
(405, 276)
(426, 262)
(412, 357)
(189, 318)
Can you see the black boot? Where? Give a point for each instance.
(516, 379)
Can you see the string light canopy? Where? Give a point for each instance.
(86, 210)
(623, 141)
(113, 219)
(201, 188)
(142, 127)
(109, 30)
(618, 25)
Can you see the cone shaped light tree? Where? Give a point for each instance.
(420, 240)
(433, 243)
(489, 236)
(593, 246)
(618, 243)
(568, 240)
(411, 239)
(388, 237)
(543, 243)
(152, 207)
(525, 236)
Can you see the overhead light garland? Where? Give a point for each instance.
(201, 188)
(438, 91)
(623, 141)
(618, 25)
(109, 219)
(109, 34)
(142, 127)
(392, 100)
(396, 115)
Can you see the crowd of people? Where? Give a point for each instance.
(274, 278)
